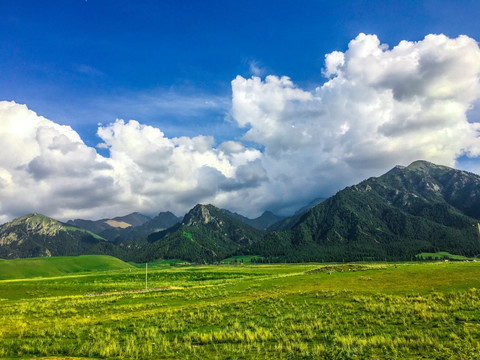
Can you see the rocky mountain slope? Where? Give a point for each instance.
(36, 235)
(162, 221)
(206, 234)
(122, 222)
(129, 227)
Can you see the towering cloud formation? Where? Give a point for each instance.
(155, 171)
(377, 108)
(46, 167)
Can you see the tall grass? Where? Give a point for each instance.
(258, 312)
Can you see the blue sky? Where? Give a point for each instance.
(76, 61)
(170, 65)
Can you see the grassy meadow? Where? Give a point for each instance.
(57, 266)
(280, 311)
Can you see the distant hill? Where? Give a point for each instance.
(128, 227)
(288, 222)
(96, 226)
(261, 223)
(420, 208)
(56, 266)
(122, 222)
(162, 221)
(133, 219)
(36, 235)
(206, 234)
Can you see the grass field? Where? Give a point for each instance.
(287, 311)
(55, 266)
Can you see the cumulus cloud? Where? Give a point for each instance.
(157, 171)
(377, 108)
(42, 160)
(47, 168)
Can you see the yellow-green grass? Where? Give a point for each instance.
(281, 311)
(59, 265)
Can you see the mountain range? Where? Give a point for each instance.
(206, 234)
(128, 227)
(121, 222)
(419, 208)
(422, 207)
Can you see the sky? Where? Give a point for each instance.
(110, 107)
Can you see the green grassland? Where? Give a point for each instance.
(281, 311)
(59, 265)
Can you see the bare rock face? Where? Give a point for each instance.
(8, 239)
(200, 214)
(31, 223)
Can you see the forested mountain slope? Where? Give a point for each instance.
(422, 207)
(206, 234)
(36, 235)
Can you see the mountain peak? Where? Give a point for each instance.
(423, 166)
(420, 163)
(205, 234)
(133, 219)
(38, 223)
(421, 207)
(200, 214)
(261, 223)
(39, 235)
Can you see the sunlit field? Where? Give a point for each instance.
(244, 311)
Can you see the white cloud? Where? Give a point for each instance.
(271, 109)
(47, 168)
(256, 68)
(379, 107)
(42, 160)
(333, 63)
